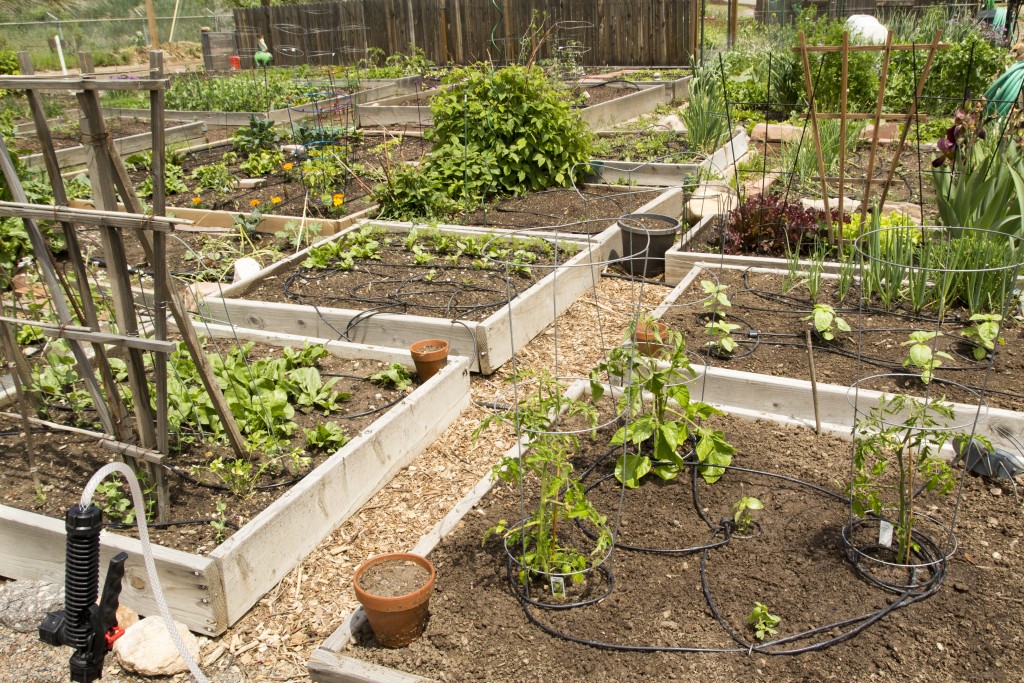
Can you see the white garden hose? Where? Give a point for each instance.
(147, 554)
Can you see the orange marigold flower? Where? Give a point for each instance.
(275, 200)
(288, 166)
(254, 203)
(197, 200)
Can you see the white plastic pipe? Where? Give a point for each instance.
(60, 54)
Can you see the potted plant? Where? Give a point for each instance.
(394, 590)
(645, 239)
(650, 335)
(429, 355)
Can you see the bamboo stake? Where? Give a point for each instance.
(909, 119)
(874, 135)
(844, 81)
(814, 128)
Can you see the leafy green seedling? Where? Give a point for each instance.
(720, 331)
(741, 517)
(984, 333)
(219, 521)
(763, 621)
(922, 356)
(327, 436)
(827, 322)
(716, 295)
(395, 375)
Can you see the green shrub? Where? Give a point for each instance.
(509, 131)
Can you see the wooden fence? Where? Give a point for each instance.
(599, 32)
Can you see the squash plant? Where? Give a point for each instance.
(662, 417)
(562, 495)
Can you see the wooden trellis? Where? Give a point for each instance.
(843, 115)
(145, 445)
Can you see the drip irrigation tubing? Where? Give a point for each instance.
(853, 625)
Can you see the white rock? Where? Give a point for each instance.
(146, 648)
(251, 183)
(23, 604)
(294, 150)
(246, 268)
(671, 122)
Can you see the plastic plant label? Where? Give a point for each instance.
(557, 587)
(885, 534)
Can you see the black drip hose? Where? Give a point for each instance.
(851, 626)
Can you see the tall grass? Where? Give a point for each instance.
(801, 159)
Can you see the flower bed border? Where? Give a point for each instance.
(674, 175)
(209, 593)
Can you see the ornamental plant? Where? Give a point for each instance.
(769, 225)
(662, 416)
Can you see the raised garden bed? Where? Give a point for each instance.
(615, 102)
(490, 339)
(721, 162)
(374, 91)
(778, 361)
(130, 136)
(210, 591)
(795, 565)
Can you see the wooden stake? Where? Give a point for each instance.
(814, 382)
(13, 353)
(909, 119)
(814, 128)
(874, 136)
(844, 81)
(160, 276)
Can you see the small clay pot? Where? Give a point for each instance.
(429, 355)
(647, 336)
(399, 620)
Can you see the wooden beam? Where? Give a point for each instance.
(88, 335)
(865, 116)
(161, 277)
(154, 36)
(110, 219)
(870, 48)
(54, 83)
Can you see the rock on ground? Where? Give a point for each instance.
(23, 604)
(146, 648)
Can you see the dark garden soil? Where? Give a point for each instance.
(970, 630)
(589, 210)
(118, 127)
(599, 94)
(910, 183)
(780, 350)
(396, 284)
(288, 188)
(66, 461)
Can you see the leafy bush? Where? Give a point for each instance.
(862, 68)
(259, 134)
(966, 67)
(500, 132)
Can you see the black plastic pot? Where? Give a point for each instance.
(643, 246)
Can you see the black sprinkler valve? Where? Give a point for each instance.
(89, 628)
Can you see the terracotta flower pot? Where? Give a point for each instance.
(647, 336)
(429, 355)
(396, 620)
